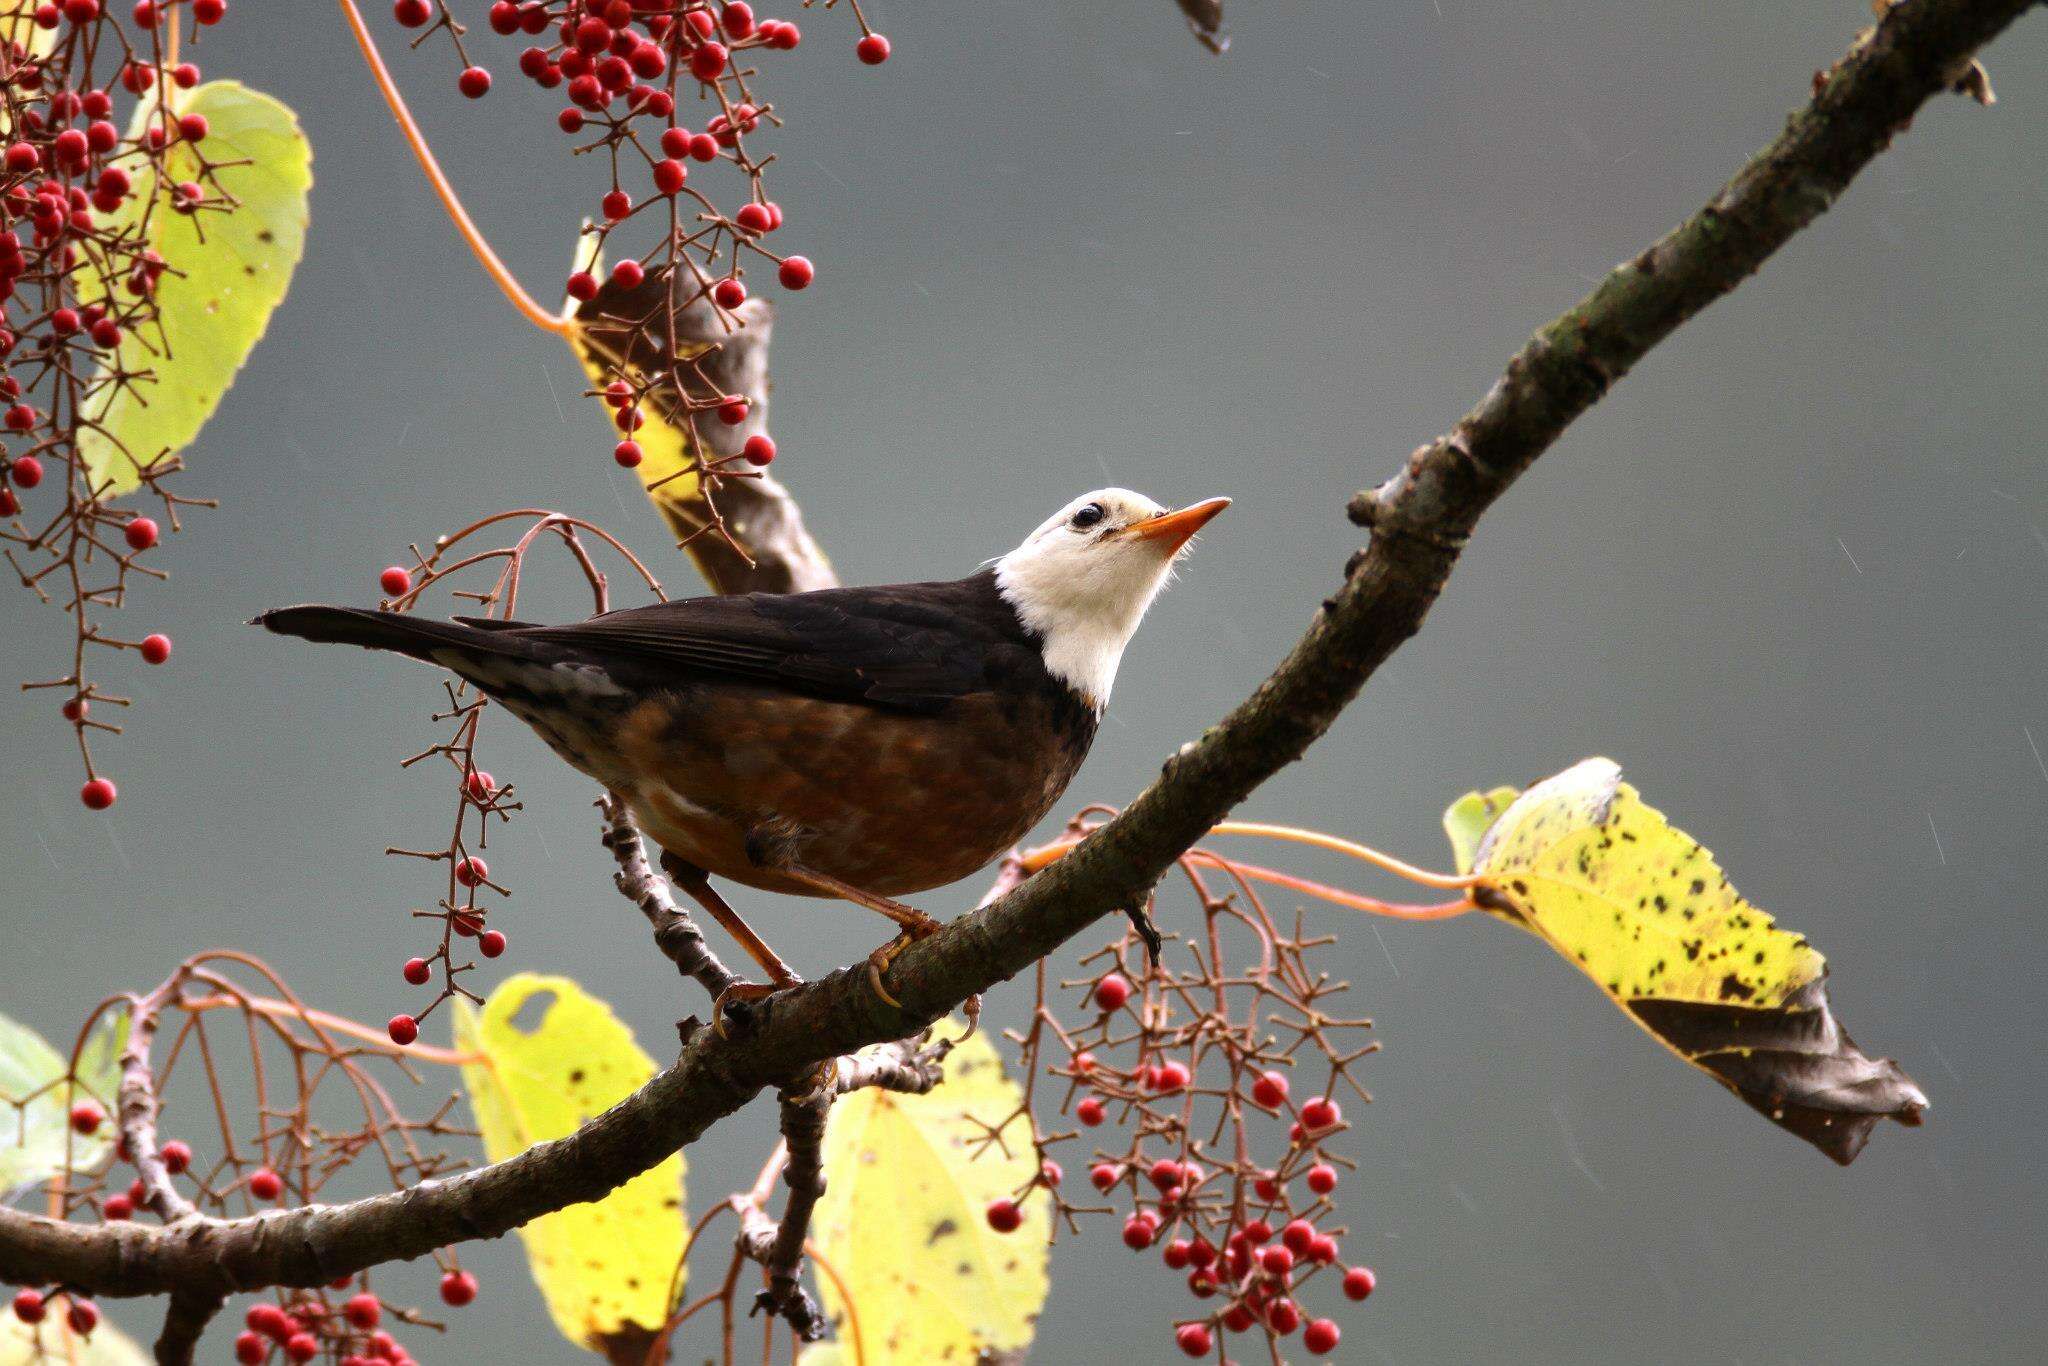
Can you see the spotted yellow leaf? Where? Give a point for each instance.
(903, 1221)
(604, 1268)
(1639, 906)
(228, 273)
(1469, 818)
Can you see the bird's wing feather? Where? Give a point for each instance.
(911, 647)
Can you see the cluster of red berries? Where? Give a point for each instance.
(77, 276)
(626, 67)
(33, 1306)
(1214, 1165)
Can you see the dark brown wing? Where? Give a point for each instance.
(911, 647)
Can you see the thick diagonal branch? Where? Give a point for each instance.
(1419, 521)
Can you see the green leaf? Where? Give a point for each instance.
(228, 272)
(35, 1134)
(909, 1179)
(1469, 818)
(1641, 907)
(52, 1343)
(604, 1267)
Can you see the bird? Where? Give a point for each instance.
(862, 743)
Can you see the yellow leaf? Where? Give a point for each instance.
(903, 1220)
(108, 1345)
(228, 273)
(602, 1267)
(1468, 819)
(1641, 907)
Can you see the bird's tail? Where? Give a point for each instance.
(437, 642)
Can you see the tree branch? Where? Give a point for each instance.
(1419, 521)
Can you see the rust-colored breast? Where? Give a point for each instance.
(734, 779)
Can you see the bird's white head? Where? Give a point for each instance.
(1083, 580)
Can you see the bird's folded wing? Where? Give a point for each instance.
(907, 648)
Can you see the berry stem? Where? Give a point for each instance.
(500, 274)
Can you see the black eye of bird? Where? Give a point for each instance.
(1089, 516)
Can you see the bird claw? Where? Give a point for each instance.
(1141, 921)
(878, 962)
(739, 999)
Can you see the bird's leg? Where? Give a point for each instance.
(697, 883)
(915, 924)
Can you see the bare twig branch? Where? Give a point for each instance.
(675, 933)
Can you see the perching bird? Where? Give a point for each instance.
(862, 743)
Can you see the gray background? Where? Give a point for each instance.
(1790, 574)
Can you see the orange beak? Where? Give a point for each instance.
(1173, 529)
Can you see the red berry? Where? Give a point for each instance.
(1238, 1318)
(1176, 1254)
(83, 1316)
(177, 1156)
(403, 1029)
(616, 204)
(1283, 1317)
(733, 412)
(1103, 1175)
(1323, 1250)
(302, 1347)
(1195, 1339)
(362, 1311)
(472, 872)
(708, 61)
(23, 156)
(1270, 1090)
(1172, 1076)
(117, 1207)
(1359, 1282)
(1084, 1063)
(269, 1320)
(1201, 1253)
(760, 449)
(786, 36)
(669, 175)
(1267, 1187)
(753, 218)
(1320, 1114)
(1201, 1284)
(98, 794)
(417, 971)
(1276, 1261)
(570, 121)
(1112, 991)
(628, 273)
(1089, 1111)
(192, 127)
(10, 506)
(1321, 1337)
(491, 943)
(27, 471)
(1051, 1173)
(583, 286)
(729, 292)
(412, 13)
(474, 82)
(186, 74)
(738, 19)
(250, 1348)
(458, 1288)
(28, 1306)
(1139, 1231)
(479, 786)
(265, 1184)
(86, 1117)
(1164, 1173)
(209, 11)
(1257, 1231)
(703, 147)
(1322, 1178)
(873, 49)
(627, 453)
(1299, 1235)
(1004, 1216)
(395, 581)
(796, 273)
(156, 648)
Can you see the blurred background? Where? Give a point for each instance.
(1790, 574)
